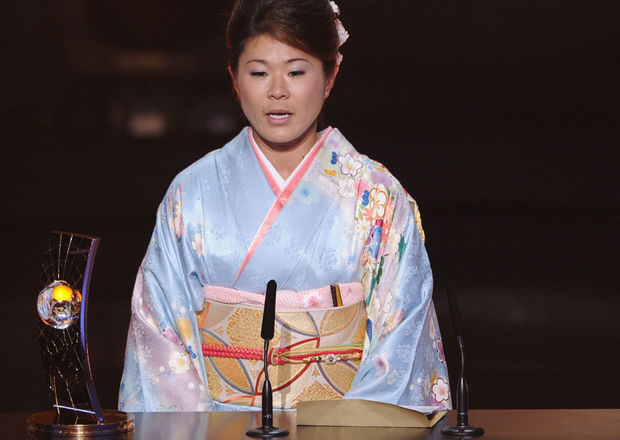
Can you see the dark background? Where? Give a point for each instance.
(499, 117)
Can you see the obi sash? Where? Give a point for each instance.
(316, 350)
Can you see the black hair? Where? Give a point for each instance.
(307, 25)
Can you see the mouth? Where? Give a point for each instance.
(279, 115)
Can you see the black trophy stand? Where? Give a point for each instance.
(267, 430)
(462, 428)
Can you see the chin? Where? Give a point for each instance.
(285, 137)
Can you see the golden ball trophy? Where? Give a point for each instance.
(62, 306)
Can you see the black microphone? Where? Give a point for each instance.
(267, 430)
(462, 428)
(269, 311)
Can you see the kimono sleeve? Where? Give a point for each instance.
(164, 370)
(403, 360)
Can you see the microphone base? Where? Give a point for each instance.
(462, 430)
(266, 432)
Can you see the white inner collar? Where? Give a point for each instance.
(272, 170)
(275, 175)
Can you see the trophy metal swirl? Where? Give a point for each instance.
(62, 307)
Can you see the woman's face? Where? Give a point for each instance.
(282, 90)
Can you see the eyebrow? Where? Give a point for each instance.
(256, 60)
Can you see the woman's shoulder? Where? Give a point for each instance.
(370, 178)
(208, 166)
(207, 163)
(352, 163)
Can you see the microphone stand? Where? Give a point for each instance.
(267, 430)
(462, 428)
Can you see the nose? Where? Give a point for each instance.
(278, 88)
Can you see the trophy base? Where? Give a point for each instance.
(42, 425)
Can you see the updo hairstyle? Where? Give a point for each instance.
(307, 25)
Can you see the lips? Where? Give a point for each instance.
(279, 116)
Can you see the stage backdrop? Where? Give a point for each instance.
(496, 116)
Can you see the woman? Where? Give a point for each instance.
(282, 201)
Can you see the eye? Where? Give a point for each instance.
(297, 73)
(258, 73)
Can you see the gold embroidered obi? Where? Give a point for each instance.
(314, 353)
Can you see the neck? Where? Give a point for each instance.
(286, 156)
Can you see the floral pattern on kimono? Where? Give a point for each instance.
(347, 220)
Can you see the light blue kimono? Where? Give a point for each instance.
(347, 220)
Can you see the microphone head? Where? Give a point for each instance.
(269, 311)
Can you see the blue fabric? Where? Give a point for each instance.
(348, 220)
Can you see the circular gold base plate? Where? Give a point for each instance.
(42, 425)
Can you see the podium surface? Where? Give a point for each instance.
(498, 424)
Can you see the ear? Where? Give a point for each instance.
(330, 80)
(233, 78)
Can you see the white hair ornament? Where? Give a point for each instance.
(343, 35)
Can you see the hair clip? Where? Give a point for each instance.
(343, 35)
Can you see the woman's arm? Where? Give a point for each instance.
(404, 361)
(163, 362)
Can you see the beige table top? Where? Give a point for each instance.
(498, 424)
